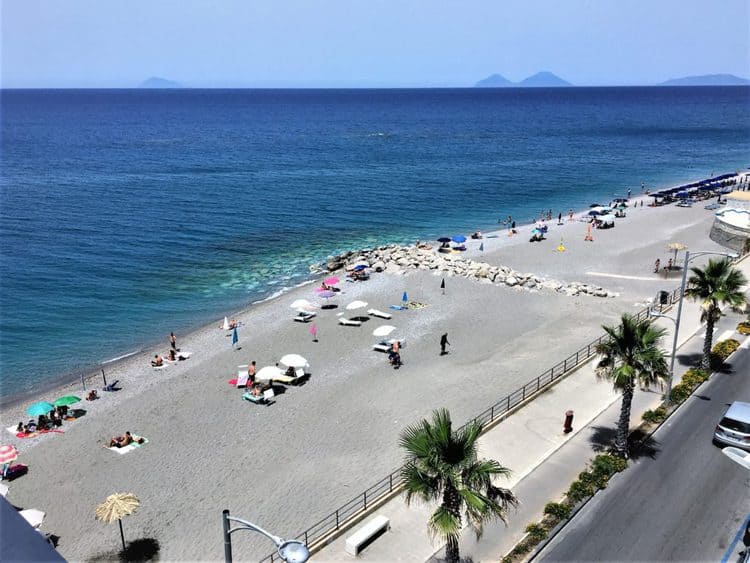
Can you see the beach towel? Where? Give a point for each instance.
(398, 308)
(130, 447)
(12, 430)
(242, 378)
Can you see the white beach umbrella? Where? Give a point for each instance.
(225, 326)
(293, 360)
(33, 516)
(356, 305)
(383, 330)
(267, 373)
(302, 304)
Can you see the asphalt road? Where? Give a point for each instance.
(681, 501)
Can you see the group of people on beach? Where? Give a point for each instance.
(173, 354)
(124, 440)
(668, 268)
(43, 422)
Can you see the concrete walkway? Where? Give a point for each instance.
(544, 460)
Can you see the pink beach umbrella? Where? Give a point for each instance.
(331, 281)
(7, 454)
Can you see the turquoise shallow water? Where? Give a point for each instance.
(126, 214)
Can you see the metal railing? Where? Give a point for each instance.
(392, 481)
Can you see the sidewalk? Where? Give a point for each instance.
(543, 459)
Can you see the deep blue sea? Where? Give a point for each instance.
(125, 214)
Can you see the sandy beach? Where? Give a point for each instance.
(286, 465)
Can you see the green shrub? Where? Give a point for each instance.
(536, 532)
(744, 327)
(521, 549)
(680, 392)
(606, 464)
(724, 349)
(507, 559)
(655, 416)
(579, 490)
(557, 510)
(694, 377)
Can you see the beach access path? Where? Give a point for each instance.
(287, 465)
(544, 460)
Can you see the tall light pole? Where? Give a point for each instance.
(291, 551)
(676, 320)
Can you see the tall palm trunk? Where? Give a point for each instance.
(708, 341)
(452, 503)
(623, 425)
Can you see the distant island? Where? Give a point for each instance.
(707, 80)
(156, 82)
(538, 80)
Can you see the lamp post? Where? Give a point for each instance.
(291, 551)
(676, 320)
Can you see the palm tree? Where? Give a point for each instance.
(715, 285)
(442, 466)
(632, 353)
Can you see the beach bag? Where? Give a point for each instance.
(15, 471)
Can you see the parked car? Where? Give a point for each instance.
(734, 427)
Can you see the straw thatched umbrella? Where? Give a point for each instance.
(676, 246)
(115, 507)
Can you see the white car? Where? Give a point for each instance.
(734, 427)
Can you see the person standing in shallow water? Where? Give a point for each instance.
(443, 343)
(173, 341)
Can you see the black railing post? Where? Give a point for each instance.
(337, 519)
(390, 486)
(364, 496)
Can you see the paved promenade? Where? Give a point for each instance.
(544, 460)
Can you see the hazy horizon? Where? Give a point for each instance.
(337, 44)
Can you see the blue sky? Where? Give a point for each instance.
(340, 43)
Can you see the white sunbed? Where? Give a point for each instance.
(349, 322)
(304, 316)
(3, 490)
(385, 345)
(378, 313)
(242, 376)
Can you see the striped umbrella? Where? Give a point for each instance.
(7, 454)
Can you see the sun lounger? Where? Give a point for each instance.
(304, 317)
(349, 322)
(263, 399)
(289, 379)
(242, 376)
(385, 345)
(130, 447)
(377, 313)
(3, 490)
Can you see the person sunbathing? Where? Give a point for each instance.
(20, 428)
(120, 441)
(172, 355)
(92, 396)
(158, 361)
(257, 392)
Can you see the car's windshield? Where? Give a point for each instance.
(735, 425)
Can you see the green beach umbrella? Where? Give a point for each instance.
(67, 400)
(39, 408)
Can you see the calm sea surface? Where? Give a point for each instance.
(125, 214)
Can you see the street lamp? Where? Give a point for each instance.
(676, 320)
(291, 551)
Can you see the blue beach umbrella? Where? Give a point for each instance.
(459, 238)
(235, 338)
(39, 408)
(404, 298)
(359, 267)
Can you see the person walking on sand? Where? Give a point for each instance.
(570, 214)
(559, 218)
(443, 343)
(657, 264)
(173, 341)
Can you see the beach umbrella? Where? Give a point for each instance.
(359, 267)
(458, 238)
(116, 507)
(442, 285)
(302, 304)
(39, 408)
(356, 305)
(33, 516)
(235, 337)
(67, 400)
(331, 281)
(268, 373)
(383, 330)
(225, 326)
(8, 453)
(293, 360)
(676, 246)
(444, 239)
(326, 294)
